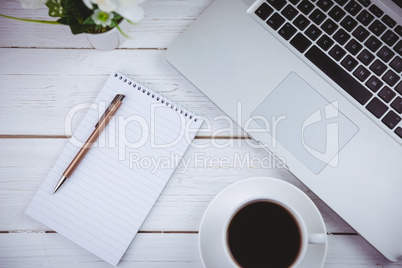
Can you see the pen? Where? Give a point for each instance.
(99, 127)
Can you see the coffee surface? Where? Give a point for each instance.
(264, 234)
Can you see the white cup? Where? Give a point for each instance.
(214, 241)
(304, 238)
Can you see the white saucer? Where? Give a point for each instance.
(212, 229)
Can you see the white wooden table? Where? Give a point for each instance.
(45, 71)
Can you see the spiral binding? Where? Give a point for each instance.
(156, 96)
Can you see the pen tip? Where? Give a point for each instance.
(60, 183)
(120, 97)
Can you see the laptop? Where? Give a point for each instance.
(318, 83)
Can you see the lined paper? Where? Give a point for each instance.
(103, 204)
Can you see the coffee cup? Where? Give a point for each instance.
(268, 233)
(262, 222)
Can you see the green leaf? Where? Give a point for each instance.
(55, 8)
(75, 26)
(29, 20)
(89, 21)
(73, 13)
(113, 24)
(132, 23)
(117, 16)
(122, 33)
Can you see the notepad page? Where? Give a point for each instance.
(103, 204)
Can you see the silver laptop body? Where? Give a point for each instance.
(344, 144)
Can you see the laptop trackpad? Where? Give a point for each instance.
(305, 123)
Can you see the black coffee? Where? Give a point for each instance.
(264, 234)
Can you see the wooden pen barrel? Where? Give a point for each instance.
(92, 139)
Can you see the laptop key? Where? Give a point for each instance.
(325, 4)
(365, 3)
(391, 78)
(385, 54)
(264, 11)
(373, 43)
(388, 21)
(353, 8)
(305, 7)
(398, 30)
(396, 64)
(336, 13)
(398, 48)
(360, 33)
(377, 107)
(300, 42)
(325, 42)
(386, 94)
(389, 38)
(317, 16)
(348, 23)
(397, 104)
(366, 57)
(374, 83)
(376, 11)
(341, 36)
(398, 88)
(341, 2)
(337, 53)
(398, 131)
(275, 21)
(294, 2)
(301, 22)
(349, 63)
(361, 73)
(313, 32)
(277, 4)
(353, 47)
(289, 12)
(329, 26)
(377, 28)
(287, 31)
(338, 75)
(391, 119)
(378, 67)
(365, 18)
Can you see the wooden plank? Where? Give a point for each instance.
(146, 250)
(159, 250)
(24, 163)
(163, 22)
(43, 95)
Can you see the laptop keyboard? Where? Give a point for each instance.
(353, 43)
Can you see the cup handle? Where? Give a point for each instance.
(317, 238)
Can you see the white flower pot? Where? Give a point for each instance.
(109, 40)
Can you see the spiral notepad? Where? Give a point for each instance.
(103, 204)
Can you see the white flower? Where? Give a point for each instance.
(102, 18)
(129, 9)
(32, 3)
(106, 5)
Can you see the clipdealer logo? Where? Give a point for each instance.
(330, 154)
